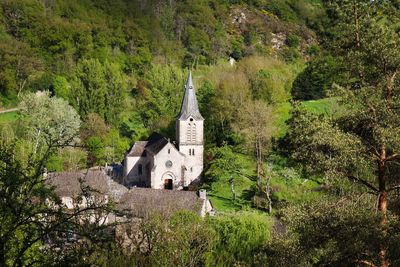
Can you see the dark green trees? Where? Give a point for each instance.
(100, 89)
(361, 143)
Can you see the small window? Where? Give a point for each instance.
(140, 169)
(169, 151)
(191, 119)
(190, 152)
(191, 169)
(193, 152)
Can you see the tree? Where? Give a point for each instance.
(49, 121)
(93, 125)
(34, 224)
(99, 88)
(334, 231)
(89, 88)
(164, 241)
(255, 124)
(238, 239)
(161, 95)
(115, 93)
(317, 78)
(362, 144)
(18, 65)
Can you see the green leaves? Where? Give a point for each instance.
(100, 89)
(49, 121)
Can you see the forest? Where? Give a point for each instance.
(301, 101)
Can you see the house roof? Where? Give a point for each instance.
(143, 201)
(189, 106)
(67, 184)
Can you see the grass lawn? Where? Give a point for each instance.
(320, 106)
(8, 117)
(220, 191)
(286, 184)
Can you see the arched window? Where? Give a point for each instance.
(140, 169)
(188, 132)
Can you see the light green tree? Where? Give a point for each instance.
(48, 121)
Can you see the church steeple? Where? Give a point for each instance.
(189, 107)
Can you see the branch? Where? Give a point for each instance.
(393, 188)
(392, 157)
(361, 181)
(365, 262)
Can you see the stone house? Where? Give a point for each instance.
(137, 202)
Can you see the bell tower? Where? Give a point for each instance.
(189, 134)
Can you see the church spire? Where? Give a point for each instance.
(189, 103)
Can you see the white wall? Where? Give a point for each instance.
(131, 169)
(161, 171)
(182, 127)
(193, 163)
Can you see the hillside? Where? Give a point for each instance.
(140, 50)
(301, 129)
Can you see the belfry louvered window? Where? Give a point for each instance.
(189, 132)
(194, 132)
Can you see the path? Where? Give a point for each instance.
(8, 110)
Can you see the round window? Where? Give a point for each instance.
(168, 164)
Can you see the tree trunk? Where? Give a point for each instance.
(382, 205)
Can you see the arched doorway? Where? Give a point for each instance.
(168, 179)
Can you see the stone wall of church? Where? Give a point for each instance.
(168, 164)
(193, 161)
(135, 171)
(190, 132)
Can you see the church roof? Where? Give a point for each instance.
(143, 201)
(156, 142)
(189, 106)
(137, 149)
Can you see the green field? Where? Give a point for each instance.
(8, 117)
(321, 106)
(286, 184)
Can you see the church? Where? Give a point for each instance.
(161, 164)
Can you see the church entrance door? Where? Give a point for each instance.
(168, 184)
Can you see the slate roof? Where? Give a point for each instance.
(189, 106)
(137, 149)
(155, 143)
(141, 202)
(67, 184)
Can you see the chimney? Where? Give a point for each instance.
(45, 173)
(203, 194)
